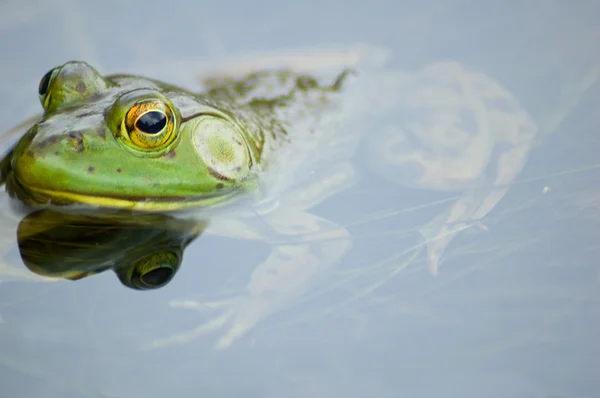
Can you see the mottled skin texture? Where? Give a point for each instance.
(87, 148)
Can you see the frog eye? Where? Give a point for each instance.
(222, 147)
(69, 83)
(144, 121)
(44, 86)
(45, 83)
(150, 125)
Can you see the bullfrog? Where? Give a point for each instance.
(269, 143)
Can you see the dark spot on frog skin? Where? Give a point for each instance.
(119, 170)
(57, 153)
(47, 141)
(219, 185)
(84, 114)
(170, 154)
(91, 169)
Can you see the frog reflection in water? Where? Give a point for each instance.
(277, 141)
(145, 252)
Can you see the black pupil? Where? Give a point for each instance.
(151, 122)
(157, 276)
(43, 89)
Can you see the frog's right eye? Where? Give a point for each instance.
(149, 125)
(145, 122)
(45, 84)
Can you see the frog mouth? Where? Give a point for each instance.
(43, 197)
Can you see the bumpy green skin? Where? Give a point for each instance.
(84, 150)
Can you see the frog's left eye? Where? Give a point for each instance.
(44, 86)
(150, 125)
(69, 83)
(45, 83)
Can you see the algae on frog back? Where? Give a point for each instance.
(298, 114)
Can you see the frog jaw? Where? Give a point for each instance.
(39, 196)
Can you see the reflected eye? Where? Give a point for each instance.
(157, 277)
(154, 270)
(150, 125)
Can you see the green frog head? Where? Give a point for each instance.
(129, 142)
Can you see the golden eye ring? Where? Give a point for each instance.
(149, 125)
